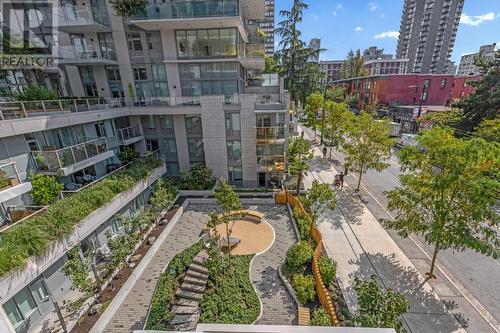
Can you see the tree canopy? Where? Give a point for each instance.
(353, 65)
(449, 188)
(298, 155)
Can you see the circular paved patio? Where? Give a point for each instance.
(255, 237)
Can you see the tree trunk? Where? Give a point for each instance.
(330, 152)
(359, 180)
(228, 245)
(430, 274)
(299, 182)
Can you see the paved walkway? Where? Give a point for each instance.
(359, 244)
(278, 306)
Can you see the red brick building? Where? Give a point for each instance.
(408, 89)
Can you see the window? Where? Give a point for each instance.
(424, 95)
(427, 83)
(235, 174)
(113, 73)
(140, 73)
(206, 42)
(167, 122)
(88, 81)
(172, 169)
(195, 148)
(232, 122)
(443, 83)
(193, 124)
(134, 41)
(234, 150)
(107, 45)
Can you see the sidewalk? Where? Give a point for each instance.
(362, 247)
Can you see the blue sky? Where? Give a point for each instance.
(352, 24)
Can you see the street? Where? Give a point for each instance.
(467, 281)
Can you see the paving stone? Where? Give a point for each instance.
(178, 309)
(198, 268)
(195, 296)
(193, 280)
(193, 287)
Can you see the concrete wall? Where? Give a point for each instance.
(248, 142)
(181, 141)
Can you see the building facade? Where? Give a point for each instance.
(427, 34)
(267, 25)
(314, 44)
(386, 66)
(374, 53)
(467, 66)
(174, 80)
(332, 68)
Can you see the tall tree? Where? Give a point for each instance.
(314, 104)
(319, 199)
(489, 129)
(368, 144)
(294, 54)
(336, 94)
(298, 156)
(448, 192)
(353, 65)
(337, 116)
(484, 102)
(229, 201)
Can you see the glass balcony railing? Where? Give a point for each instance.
(9, 176)
(251, 51)
(271, 163)
(70, 15)
(127, 133)
(270, 133)
(54, 160)
(87, 54)
(24, 109)
(179, 9)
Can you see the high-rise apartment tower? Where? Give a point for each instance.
(427, 34)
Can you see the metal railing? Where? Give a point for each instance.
(54, 160)
(167, 101)
(8, 175)
(270, 133)
(24, 109)
(87, 53)
(128, 133)
(179, 9)
(72, 15)
(251, 51)
(271, 163)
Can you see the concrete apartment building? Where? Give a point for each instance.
(267, 25)
(467, 66)
(332, 68)
(179, 80)
(427, 34)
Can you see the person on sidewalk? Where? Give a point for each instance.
(341, 179)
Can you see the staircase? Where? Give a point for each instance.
(185, 307)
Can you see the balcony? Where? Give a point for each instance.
(271, 163)
(79, 20)
(71, 55)
(11, 185)
(252, 55)
(129, 135)
(65, 161)
(25, 109)
(270, 135)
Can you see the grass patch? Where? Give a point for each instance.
(160, 315)
(33, 237)
(234, 301)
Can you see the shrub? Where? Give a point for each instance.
(234, 301)
(127, 8)
(128, 155)
(304, 223)
(36, 93)
(320, 317)
(327, 269)
(45, 190)
(159, 315)
(181, 261)
(297, 257)
(33, 236)
(198, 178)
(304, 287)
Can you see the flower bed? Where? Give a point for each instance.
(159, 316)
(33, 236)
(234, 300)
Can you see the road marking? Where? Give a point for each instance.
(483, 312)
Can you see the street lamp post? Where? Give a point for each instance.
(416, 86)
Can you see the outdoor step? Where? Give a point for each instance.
(183, 310)
(193, 287)
(198, 260)
(185, 302)
(189, 326)
(198, 268)
(198, 281)
(189, 295)
(197, 275)
(182, 319)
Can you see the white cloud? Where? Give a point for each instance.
(334, 13)
(373, 6)
(383, 16)
(387, 34)
(340, 7)
(358, 29)
(476, 20)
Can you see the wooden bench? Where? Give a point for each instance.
(254, 215)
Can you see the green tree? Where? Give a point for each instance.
(229, 201)
(314, 104)
(294, 54)
(128, 155)
(489, 129)
(78, 272)
(337, 116)
(127, 8)
(36, 93)
(271, 65)
(298, 156)
(45, 190)
(353, 65)
(336, 94)
(448, 192)
(198, 178)
(377, 308)
(320, 198)
(368, 144)
(484, 102)
(163, 196)
(304, 287)
(450, 118)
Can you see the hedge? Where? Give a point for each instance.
(34, 236)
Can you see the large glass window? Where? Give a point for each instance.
(234, 150)
(150, 80)
(195, 148)
(134, 41)
(114, 81)
(210, 78)
(107, 45)
(88, 81)
(207, 42)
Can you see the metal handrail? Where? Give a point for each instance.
(127, 133)
(12, 173)
(73, 15)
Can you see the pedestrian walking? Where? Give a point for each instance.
(341, 179)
